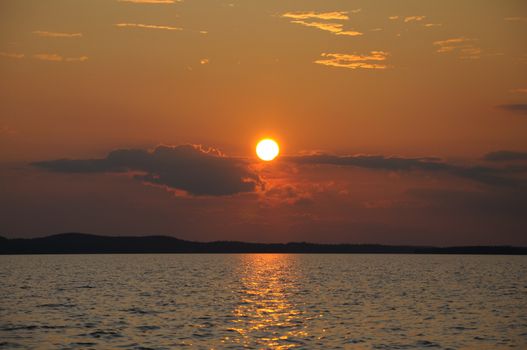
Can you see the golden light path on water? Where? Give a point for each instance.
(264, 312)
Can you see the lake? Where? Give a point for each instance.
(269, 301)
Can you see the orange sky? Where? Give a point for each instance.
(405, 79)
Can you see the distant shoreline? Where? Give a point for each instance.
(81, 243)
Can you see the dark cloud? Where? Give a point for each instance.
(207, 172)
(514, 107)
(487, 175)
(505, 156)
(372, 161)
(186, 167)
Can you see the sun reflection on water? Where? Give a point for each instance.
(264, 316)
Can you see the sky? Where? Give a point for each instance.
(399, 122)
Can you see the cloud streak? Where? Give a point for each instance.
(335, 15)
(414, 19)
(373, 60)
(463, 46)
(146, 26)
(46, 34)
(486, 175)
(315, 18)
(14, 55)
(514, 107)
(505, 156)
(53, 57)
(334, 28)
(190, 168)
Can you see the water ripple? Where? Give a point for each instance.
(268, 301)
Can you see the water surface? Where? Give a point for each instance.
(256, 301)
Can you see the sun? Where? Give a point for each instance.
(267, 149)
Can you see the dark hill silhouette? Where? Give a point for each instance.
(80, 243)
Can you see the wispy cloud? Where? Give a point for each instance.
(464, 46)
(514, 107)
(431, 25)
(373, 60)
(12, 55)
(519, 91)
(204, 61)
(335, 15)
(516, 19)
(334, 28)
(493, 176)
(470, 52)
(449, 42)
(150, 1)
(505, 156)
(76, 59)
(49, 57)
(414, 19)
(146, 26)
(393, 18)
(47, 34)
(53, 57)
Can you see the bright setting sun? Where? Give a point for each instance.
(267, 149)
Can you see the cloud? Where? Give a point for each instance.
(463, 46)
(58, 58)
(56, 34)
(371, 161)
(76, 59)
(516, 19)
(519, 91)
(12, 55)
(374, 60)
(338, 15)
(279, 194)
(471, 52)
(146, 26)
(514, 107)
(449, 42)
(150, 1)
(393, 17)
(501, 156)
(334, 28)
(49, 57)
(487, 175)
(204, 61)
(190, 168)
(414, 19)
(431, 25)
